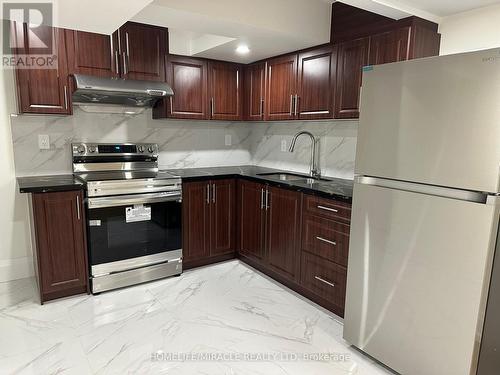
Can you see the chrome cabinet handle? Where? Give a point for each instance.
(296, 104)
(212, 105)
(324, 281)
(327, 241)
(117, 62)
(208, 193)
(171, 106)
(213, 193)
(127, 45)
(267, 199)
(262, 198)
(78, 206)
(327, 208)
(125, 68)
(291, 104)
(65, 97)
(261, 107)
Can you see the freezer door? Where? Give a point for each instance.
(434, 121)
(417, 272)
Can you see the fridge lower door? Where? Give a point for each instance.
(418, 271)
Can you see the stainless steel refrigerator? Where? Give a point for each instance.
(425, 215)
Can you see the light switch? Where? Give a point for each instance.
(283, 145)
(43, 142)
(228, 140)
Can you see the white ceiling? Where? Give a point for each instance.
(214, 28)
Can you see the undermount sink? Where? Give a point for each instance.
(291, 177)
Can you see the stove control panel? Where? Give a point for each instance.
(116, 149)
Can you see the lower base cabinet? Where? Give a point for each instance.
(209, 211)
(60, 244)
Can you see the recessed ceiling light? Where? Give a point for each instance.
(242, 49)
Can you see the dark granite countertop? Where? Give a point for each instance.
(334, 188)
(45, 184)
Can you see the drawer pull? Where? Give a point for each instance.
(327, 241)
(324, 281)
(327, 208)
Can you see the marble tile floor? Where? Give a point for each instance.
(228, 314)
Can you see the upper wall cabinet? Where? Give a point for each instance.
(143, 50)
(352, 56)
(225, 90)
(255, 86)
(316, 84)
(188, 79)
(388, 47)
(92, 54)
(281, 88)
(41, 90)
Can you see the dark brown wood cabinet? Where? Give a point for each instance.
(251, 219)
(61, 251)
(316, 84)
(188, 78)
(225, 90)
(388, 47)
(254, 87)
(269, 227)
(42, 90)
(92, 54)
(281, 87)
(352, 56)
(143, 50)
(283, 231)
(209, 212)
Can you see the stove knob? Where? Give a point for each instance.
(151, 149)
(81, 149)
(140, 149)
(92, 149)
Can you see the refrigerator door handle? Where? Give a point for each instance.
(439, 191)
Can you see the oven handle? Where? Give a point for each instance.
(125, 200)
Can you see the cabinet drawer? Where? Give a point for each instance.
(326, 238)
(327, 208)
(324, 278)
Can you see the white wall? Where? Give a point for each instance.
(15, 245)
(469, 31)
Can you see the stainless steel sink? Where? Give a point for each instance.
(291, 177)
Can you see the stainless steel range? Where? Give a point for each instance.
(134, 214)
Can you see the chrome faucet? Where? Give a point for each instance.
(314, 171)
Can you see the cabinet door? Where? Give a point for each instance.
(143, 50)
(42, 90)
(251, 219)
(222, 217)
(92, 54)
(283, 231)
(316, 84)
(255, 81)
(61, 248)
(225, 91)
(389, 47)
(195, 212)
(352, 56)
(188, 79)
(281, 87)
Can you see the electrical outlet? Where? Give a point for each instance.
(228, 140)
(43, 142)
(283, 145)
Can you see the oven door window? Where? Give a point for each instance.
(118, 233)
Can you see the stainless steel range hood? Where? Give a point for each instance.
(125, 92)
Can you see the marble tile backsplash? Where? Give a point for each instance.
(184, 143)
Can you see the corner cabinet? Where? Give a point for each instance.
(60, 241)
(42, 90)
(209, 210)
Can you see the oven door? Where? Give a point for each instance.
(133, 231)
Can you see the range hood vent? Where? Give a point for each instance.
(126, 92)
